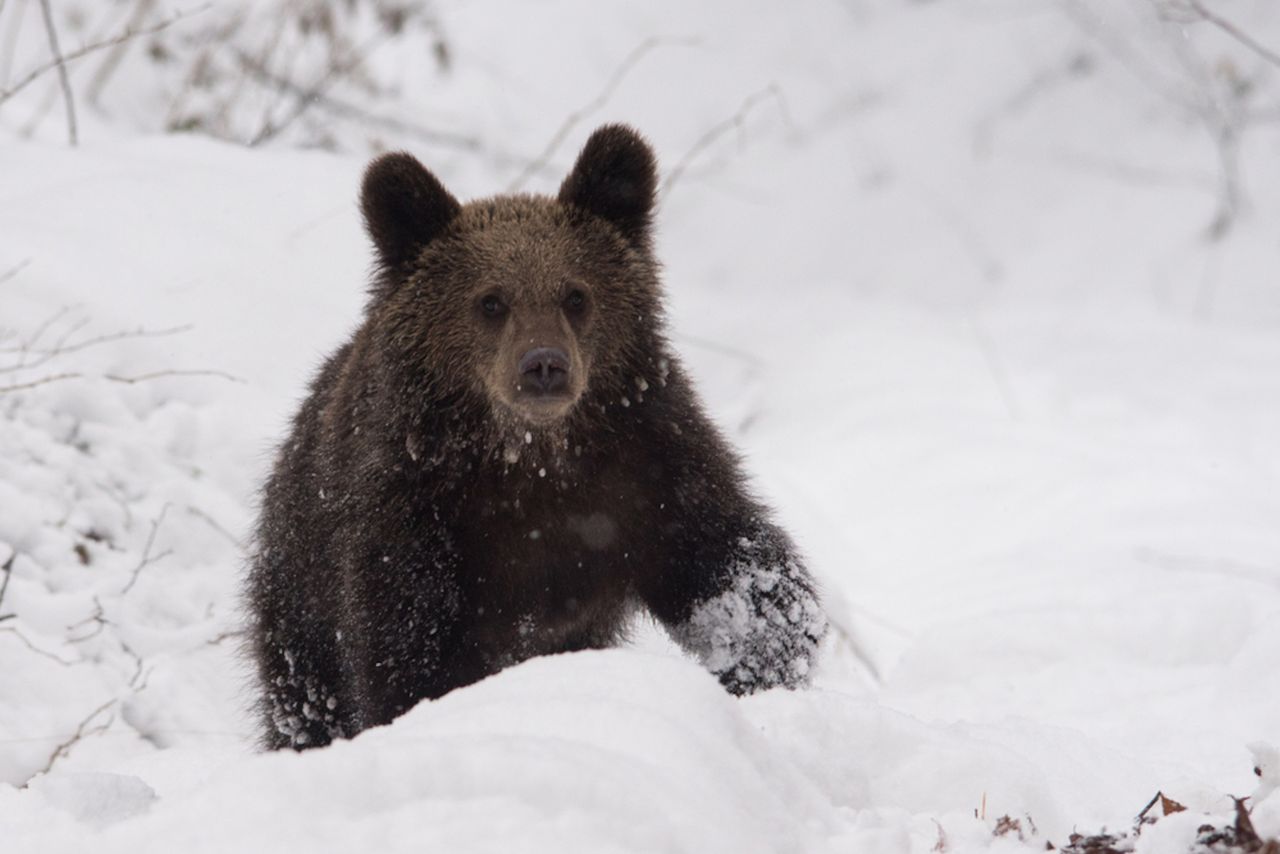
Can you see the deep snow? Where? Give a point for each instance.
(948, 285)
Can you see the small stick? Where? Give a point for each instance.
(67, 99)
(571, 121)
(128, 33)
(1235, 32)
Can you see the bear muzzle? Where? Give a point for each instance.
(543, 371)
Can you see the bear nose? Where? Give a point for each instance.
(544, 369)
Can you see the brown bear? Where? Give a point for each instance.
(507, 460)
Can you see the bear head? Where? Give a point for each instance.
(531, 306)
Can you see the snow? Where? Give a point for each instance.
(948, 282)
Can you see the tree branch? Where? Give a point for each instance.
(125, 35)
(1235, 32)
(571, 121)
(61, 64)
(705, 141)
(82, 731)
(344, 109)
(147, 559)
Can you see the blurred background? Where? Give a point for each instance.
(988, 292)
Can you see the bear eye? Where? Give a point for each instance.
(576, 300)
(492, 306)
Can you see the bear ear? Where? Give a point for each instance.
(615, 178)
(405, 207)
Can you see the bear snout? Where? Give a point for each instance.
(544, 370)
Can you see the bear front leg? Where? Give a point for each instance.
(751, 615)
(730, 586)
(399, 623)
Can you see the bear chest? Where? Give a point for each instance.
(551, 562)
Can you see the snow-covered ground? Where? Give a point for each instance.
(945, 273)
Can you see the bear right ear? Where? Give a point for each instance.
(405, 207)
(615, 178)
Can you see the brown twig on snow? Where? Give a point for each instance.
(61, 348)
(82, 732)
(177, 372)
(147, 558)
(43, 653)
(97, 618)
(734, 122)
(571, 121)
(61, 64)
(215, 525)
(125, 35)
(52, 378)
(7, 568)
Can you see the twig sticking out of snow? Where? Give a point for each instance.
(147, 558)
(7, 568)
(43, 653)
(83, 730)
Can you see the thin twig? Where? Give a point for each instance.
(714, 133)
(44, 653)
(107, 68)
(344, 109)
(7, 568)
(82, 730)
(215, 525)
(125, 35)
(67, 99)
(61, 348)
(155, 375)
(13, 271)
(147, 559)
(305, 98)
(1235, 32)
(571, 121)
(52, 378)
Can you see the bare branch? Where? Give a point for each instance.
(61, 64)
(98, 620)
(53, 378)
(61, 348)
(107, 68)
(147, 558)
(1234, 31)
(305, 98)
(7, 568)
(344, 109)
(734, 122)
(571, 121)
(82, 731)
(215, 525)
(125, 35)
(15, 270)
(155, 375)
(44, 653)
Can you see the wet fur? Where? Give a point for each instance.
(417, 536)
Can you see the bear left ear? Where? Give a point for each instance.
(615, 178)
(405, 207)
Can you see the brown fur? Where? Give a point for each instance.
(431, 521)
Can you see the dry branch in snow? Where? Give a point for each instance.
(123, 36)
